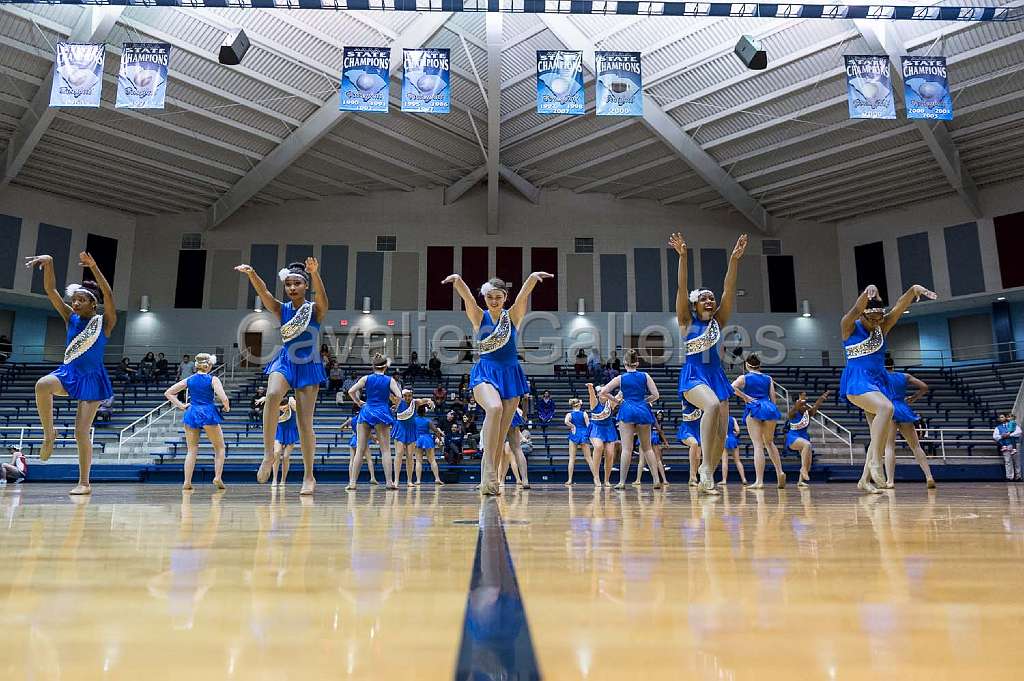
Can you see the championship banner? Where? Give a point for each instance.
(426, 77)
(560, 82)
(869, 87)
(365, 79)
(619, 84)
(142, 80)
(77, 75)
(926, 88)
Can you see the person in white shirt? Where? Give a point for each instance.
(1006, 435)
(17, 470)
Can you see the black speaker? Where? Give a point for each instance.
(751, 53)
(235, 45)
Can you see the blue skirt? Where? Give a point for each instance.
(404, 431)
(298, 374)
(581, 436)
(636, 412)
(688, 430)
(604, 430)
(731, 441)
(794, 435)
(92, 386)
(762, 410)
(508, 379)
(199, 415)
(426, 442)
(373, 415)
(858, 380)
(287, 433)
(655, 438)
(693, 374)
(902, 413)
(353, 442)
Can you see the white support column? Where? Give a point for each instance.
(94, 25)
(493, 118)
(882, 36)
(314, 128)
(669, 132)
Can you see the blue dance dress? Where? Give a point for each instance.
(703, 365)
(602, 424)
(82, 374)
(354, 440)
(375, 409)
(732, 441)
(798, 429)
(287, 428)
(865, 363)
(758, 386)
(201, 409)
(902, 413)
(634, 408)
(404, 429)
(689, 426)
(424, 438)
(582, 434)
(499, 364)
(655, 438)
(517, 420)
(299, 360)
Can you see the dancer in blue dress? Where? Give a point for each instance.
(702, 380)
(285, 439)
(689, 434)
(404, 433)
(298, 365)
(353, 446)
(374, 415)
(201, 414)
(732, 450)
(497, 380)
(426, 445)
(578, 423)
(512, 453)
(658, 443)
(81, 376)
(635, 416)
(604, 434)
(757, 390)
(798, 439)
(904, 420)
(864, 382)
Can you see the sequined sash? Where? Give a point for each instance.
(601, 415)
(408, 412)
(297, 324)
(499, 337)
(705, 341)
(804, 421)
(693, 415)
(868, 346)
(85, 339)
(285, 415)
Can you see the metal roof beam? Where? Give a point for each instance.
(494, 43)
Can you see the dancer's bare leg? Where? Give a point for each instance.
(889, 458)
(713, 425)
(83, 424)
(804, 447)
(286, 459)
(910, 435)
(434, 468)
(626, 435)
(592, 463)
(695, 457)
(515, 441)
(46, 388)
(277, 388)
(597, 458)
(609, 461)
(305, 403)
(572, 463)
(739, 465)
(647, 454)
(757, 440)
(355, 463)
(384, 438)
(216, 437)
(768, 432)
(192, 446)
(419, 467)
(495, 427)
(878, 409)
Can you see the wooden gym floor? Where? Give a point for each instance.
(143, 582)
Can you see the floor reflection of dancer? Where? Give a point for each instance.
(689, 436)
(578, 423)
(798, 439)
(201, 414)
(604, 434)
(497, 380)
(298, 365)
(903, 420)
(426, 445)
(82, 376)
(702, 380)
(635, 415)
(864, 382)
(374, 415)
(732, 450)
(757, 390)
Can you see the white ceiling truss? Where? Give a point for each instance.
(774, 143)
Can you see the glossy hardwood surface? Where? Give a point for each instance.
(139, 582)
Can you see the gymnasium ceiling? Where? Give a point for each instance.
(782, 136)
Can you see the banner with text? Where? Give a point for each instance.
(77, 74)
(560, 82)
(426, 80)
(926, 88)
(365, 79)
(142, 80)
(619, 84)
(869, 87)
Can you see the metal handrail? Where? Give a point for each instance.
(22, 439)
(926, 437)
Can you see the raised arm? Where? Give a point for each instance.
(218, 390)
(109, 306)
(322, 303)
(473, 311)
(798, 404)
(820, 401)
(354, 391)
(593, 396)
(518, 309)
(729, 287)
(854, 313)
(683, 314)
(912, 295)
(270, 303)
(920, 386)
(45, 263)
(171, 394)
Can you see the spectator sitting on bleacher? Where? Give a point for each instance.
(5, 348)
(434, 366)
(440, 395)
(349, 381)
(545, 409)
(463, 390)
(608, 373)
(17, 470)
(124, 371)
(105, 412)
(412, 369)
(1007, 434)
(147, 367)
(471, 432)
(458, 406)
(580, 364)
(453, 442)
(336, 373)
(186, 368)
(256, 405)
(526, 441)
(615, 362)
(474, 410)
(162, 369)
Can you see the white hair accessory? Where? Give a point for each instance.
(695, 293)
(284, 273)
(487, 288)
(72, 289)
(206, 358)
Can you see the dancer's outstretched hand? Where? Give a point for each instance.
(86, 260)
(678, 243)
(740, 248)
(922, 292)
(871, 292)
(312, 266)
(39, 261)
(451, 279)
(541, 276)
(244, 269)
